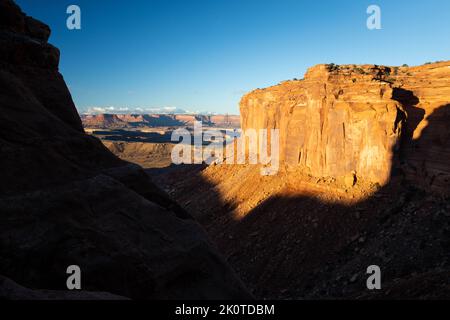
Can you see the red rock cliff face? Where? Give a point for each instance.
(329, 123)
(424, 92)
(343, 119)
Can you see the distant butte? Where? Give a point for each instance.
(121, 121)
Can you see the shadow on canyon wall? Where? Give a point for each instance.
(301, 247)
(410, 118)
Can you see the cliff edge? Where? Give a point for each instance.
(360, 119)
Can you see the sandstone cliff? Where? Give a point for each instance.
(349, 119)
(424, 92)
(65, 199)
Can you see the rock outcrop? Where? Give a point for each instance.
(424, 92)
(342, 120)
(66, 200)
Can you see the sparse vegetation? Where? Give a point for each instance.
(395, 71)
(438, 61)
(359, 70)
(333, 67)
(405, 65)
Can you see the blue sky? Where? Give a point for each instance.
(203, 55)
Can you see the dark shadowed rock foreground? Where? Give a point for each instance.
(65, 199)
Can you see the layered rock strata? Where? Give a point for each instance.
(344, 120)
(117, 121)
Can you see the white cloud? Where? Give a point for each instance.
(136, 110)
(143, 110)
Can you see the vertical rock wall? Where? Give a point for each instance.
(331, 123)
(362, 119)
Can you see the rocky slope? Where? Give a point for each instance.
(65, 199)
(118, 121)
(348, 119)
(146, 154)
(292, 236)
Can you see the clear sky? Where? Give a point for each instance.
(203, 55)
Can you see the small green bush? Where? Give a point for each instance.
(332, 67)
(359, 70)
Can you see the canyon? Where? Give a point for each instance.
(363, 180)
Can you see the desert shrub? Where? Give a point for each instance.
(359, 70)
(332, 67)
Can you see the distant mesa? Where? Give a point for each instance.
(122, 121)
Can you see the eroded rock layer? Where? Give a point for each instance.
(424, 92)
(348, 119)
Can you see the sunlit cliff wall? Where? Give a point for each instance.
(360, 119)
